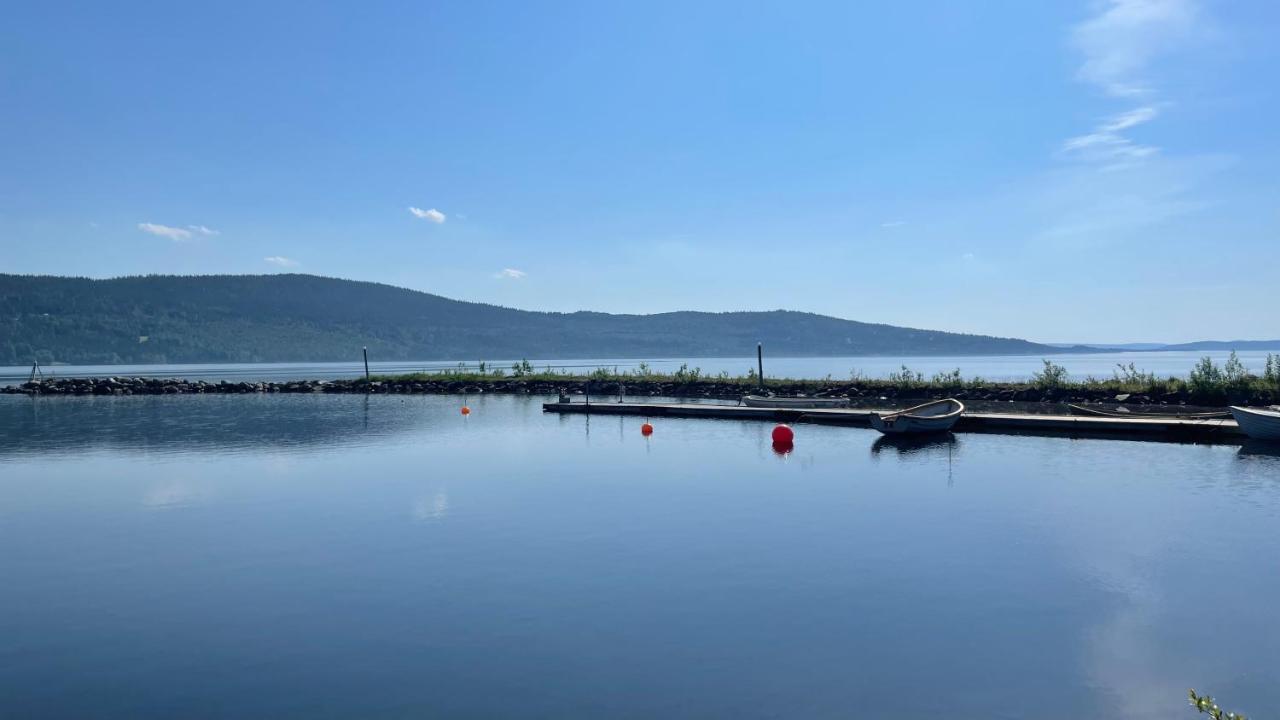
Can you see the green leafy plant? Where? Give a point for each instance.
(1206, 706)
(1206, 377)
(1131, 375)
(522, 369)
(906, 377)
(947, 379)
(1052, 376)
(1234, 373)
(685, 375)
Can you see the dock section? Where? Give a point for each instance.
(1144, 428)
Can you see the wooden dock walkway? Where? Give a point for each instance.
(1167, 429)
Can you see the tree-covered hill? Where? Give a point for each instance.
(270, 318)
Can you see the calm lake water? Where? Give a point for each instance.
(991, 367)
(384, 557)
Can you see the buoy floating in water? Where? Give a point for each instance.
(783, 435)
(646, 429)
(466, 410)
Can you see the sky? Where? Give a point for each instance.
(1070, 171)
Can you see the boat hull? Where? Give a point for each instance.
(1258, 424)
(794, 403)
(934, 417)
(904, 425)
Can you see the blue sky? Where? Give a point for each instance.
(1070, 171)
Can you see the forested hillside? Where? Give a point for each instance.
(278, 318)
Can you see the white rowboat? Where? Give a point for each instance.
(1258, 423)
(936, 416)
(797, 403)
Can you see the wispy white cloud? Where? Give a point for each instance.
(893, 223)
(1120, 42)
(511, 274)
(175, 234)
(281, 261)
(1108, 142)
(1119, 45)
(431, 215)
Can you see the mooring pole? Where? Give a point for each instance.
(760, 364)
(366, 363)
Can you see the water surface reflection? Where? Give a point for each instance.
(344, 556)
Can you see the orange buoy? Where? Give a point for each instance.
(783, 435)
(646, 429)
(466, 410)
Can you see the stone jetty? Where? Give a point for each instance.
(633, 387)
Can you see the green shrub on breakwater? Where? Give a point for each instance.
(1206, 381)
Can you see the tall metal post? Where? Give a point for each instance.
(760, 364)
(366, 364)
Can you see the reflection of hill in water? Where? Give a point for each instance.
(240, 422)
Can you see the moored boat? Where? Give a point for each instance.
(1258, 423)
(797, 403)
(1123, 412)
(936, 416)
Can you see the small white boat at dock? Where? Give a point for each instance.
(795, 403)
(936, 416)
(1258, 423)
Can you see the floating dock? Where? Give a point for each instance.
(1139, 428)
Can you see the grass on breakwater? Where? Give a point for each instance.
(1207, 382)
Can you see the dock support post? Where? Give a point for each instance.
(366, 364)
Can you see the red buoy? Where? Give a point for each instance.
(646, 429)
(783, 435)
(466, 410)
(782, 449)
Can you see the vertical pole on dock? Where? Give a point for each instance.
(366, 363)
(760, 364)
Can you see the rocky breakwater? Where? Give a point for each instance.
(636, 387)
(168, 386)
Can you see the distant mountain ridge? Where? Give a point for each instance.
(281, 318)
(1226, 345)
(1197, 345)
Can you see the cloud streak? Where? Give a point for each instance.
(511, 274)
(281, 261)
(1120, 43)
(175, 234)
(1108, 142)
(431, 215)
